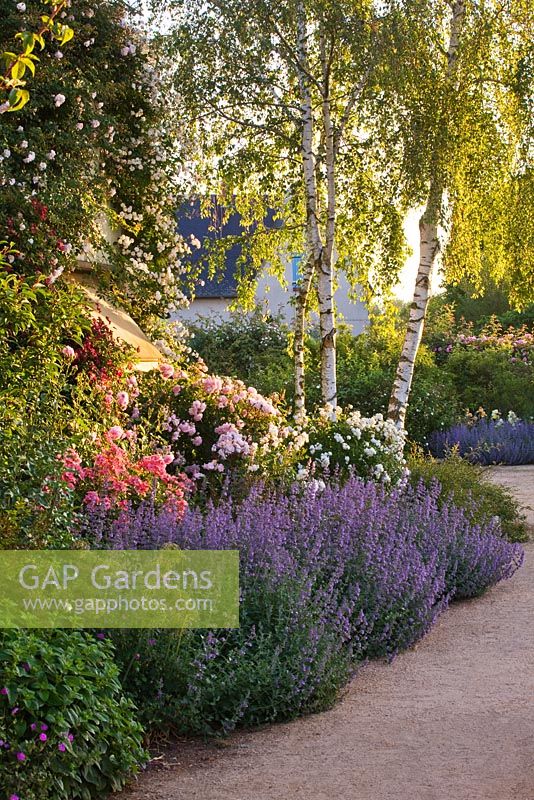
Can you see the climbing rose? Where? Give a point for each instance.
(167, 370)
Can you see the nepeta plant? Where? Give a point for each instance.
(488, 441)
(328, 579)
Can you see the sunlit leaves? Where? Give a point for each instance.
(12, 79)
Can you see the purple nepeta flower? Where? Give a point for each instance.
(487, 441)
(326, 580)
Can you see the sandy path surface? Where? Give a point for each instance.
(451, 719)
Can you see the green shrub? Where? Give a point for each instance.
(468, 487)
(366, 371)
(253, 348)
(491, 380)
(67, 730)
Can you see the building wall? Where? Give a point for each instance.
(276, 299)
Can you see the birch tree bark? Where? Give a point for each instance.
(325, 277)
(303, 293)
(428, 249)
(315, 256)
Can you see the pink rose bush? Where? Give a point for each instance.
(118, 476)
(217, 425)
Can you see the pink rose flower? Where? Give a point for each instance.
(167, 370)
(123, 399)
(68, 351)
(115, 433)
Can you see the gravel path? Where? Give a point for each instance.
(451, 719)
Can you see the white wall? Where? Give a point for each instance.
(276, 299)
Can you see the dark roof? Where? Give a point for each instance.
(192, 224)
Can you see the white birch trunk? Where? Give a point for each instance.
(325, 277)
(303, 293)
(428, 249)
(315, 244)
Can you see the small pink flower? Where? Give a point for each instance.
(68, 351)
(61, 747)
(92, 499)
(123, 399)
(197, 441)
(115, 433)
(21, 756)
(43, 737)
(176, 389)
(167, 370)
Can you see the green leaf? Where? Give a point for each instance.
(68, 34)
(18, 99)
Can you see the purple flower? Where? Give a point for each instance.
(4, 690)
(21, 756)
(44, 726)
(151, 642)
(488, 442)
(70, 737)
(43, 737)
(14, 797)
(346, 574)
(61, 747)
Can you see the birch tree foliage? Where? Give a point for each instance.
(281, 99)
(464, 131)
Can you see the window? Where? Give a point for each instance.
(295, 270)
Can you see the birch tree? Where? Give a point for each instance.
(282, 98)
(467, 138)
